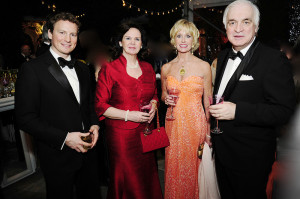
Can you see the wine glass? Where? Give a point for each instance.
(216, 99)
(174, 94)
(146, 107)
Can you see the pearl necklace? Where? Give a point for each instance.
(133, 66)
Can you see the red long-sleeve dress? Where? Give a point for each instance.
(133, 174)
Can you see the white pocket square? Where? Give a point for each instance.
(246, 78)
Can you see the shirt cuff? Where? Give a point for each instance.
(64, 142)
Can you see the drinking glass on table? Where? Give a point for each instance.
(174, 94)
(146, 107)
(216, 99)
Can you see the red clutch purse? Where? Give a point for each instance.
(156, 140)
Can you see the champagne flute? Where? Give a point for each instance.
(146, 107)
(174, 94)
(216, 99)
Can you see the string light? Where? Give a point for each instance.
(294, 13)
(54, 8)
(153, 12)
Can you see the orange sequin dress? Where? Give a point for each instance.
(186, 132)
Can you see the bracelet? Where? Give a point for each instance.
(126, 115)
(208, 136)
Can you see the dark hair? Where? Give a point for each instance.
(124, 26)
(65, 16)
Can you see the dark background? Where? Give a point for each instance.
(104, 15)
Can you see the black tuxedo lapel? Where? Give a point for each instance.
(60, 76)
(238, 72)
(221, 65)
(80, 77)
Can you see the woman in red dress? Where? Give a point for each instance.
(122, 86)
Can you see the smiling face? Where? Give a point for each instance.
(131, 42)
(63, 38)
(183, 41)
(240, 29)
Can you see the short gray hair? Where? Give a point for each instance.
(240, 2)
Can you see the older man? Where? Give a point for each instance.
(257, 85)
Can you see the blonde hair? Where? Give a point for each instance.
(190, 27)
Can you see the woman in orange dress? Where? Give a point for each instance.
(192, 77)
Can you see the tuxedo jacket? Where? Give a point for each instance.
(46, 108)
(264, 101)
(42, 49)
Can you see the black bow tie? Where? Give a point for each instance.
(232, 55)
(62, 62)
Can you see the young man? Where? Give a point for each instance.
(54, 104)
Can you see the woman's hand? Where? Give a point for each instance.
(169, 100)
(152, 112)
(138, 116)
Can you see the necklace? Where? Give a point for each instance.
(136, 65)
(182, 71)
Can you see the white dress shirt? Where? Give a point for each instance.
(231, 66)
(71, 75)
(72, 78)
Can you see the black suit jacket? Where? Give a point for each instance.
(42, 49)
(262, 104)
(46, 107)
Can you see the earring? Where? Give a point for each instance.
(120, 44)
(141, 47)
(192, 49)
(175, 49)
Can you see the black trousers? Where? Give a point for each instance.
(243, 183)
(65, 183)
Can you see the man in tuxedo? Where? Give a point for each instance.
(257, 85)
(54, 104)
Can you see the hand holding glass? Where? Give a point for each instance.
(146, 107)
(174, 94)
(88, 139)
(213, 101)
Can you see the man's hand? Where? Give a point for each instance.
(74, 141)
(224, 111)
(94, 129)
